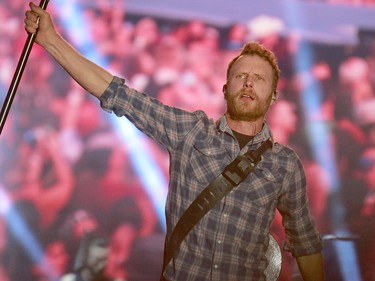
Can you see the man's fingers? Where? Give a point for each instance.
(36, 9)
(31, 16)
(31, 22)
(31, 19)
(31, 26)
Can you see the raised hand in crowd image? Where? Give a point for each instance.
(230, 241)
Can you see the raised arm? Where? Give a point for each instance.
(89, 75)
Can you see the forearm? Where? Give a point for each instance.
(89, 75)
(311, 267)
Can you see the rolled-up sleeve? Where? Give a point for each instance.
(302, 236)
(116, 97)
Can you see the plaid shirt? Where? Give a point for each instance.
(230, 241)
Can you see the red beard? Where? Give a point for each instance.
(246, 106)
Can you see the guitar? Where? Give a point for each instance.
(274, 258)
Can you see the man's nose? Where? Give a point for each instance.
(248, 82)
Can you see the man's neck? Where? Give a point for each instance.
(242, 139)
(250, 128)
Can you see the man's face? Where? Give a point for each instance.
(249, 88)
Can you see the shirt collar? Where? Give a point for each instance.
(263, 135)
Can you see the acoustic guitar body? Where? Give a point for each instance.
(274, 258)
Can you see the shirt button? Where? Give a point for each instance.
(219, 241)
(216, 266)
(225, 215)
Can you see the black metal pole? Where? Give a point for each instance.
(18, 73)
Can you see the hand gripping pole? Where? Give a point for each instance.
(18, 73)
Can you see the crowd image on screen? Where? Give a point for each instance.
(66, 172)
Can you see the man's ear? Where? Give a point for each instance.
(225, 90)
(275, 95)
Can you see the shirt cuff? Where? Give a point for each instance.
(107, 98)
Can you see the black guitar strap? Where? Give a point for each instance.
(233, 175)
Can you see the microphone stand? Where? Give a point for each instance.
(18, 73)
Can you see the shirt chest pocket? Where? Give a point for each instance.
(206, 162)
(264, 187)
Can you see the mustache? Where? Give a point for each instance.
(249, 93)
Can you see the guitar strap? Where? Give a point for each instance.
(233, 175)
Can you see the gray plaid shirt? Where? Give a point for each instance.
(229, 243)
